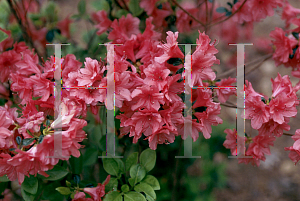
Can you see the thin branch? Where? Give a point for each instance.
(206, 11)
(258, 65)
(288, 134)
(230, 71)
(230, 15)
(189, 14)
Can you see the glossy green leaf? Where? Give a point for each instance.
(134, 7)
(147, 189)
(113, 196)
(134, 196)
(30, 184)
(131, 160)
(152, 181)
(137, 172)
(148, 159)
(64, 190)
(56, 173)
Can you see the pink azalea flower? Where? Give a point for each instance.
(263, 8)
(6, 138)
(156, 74)
(64, 26)
(148, 5)
(225, 93)
(6, 43)
(124, 28)
(171, 49)
(282, 106)
(103, 23)
(289, 13)
(209, 118)
(161, 136)
(143, 121)
(232, 138)
(193, 128)
(202, 60)
(243, 15)
(260, 146)
(8, 59)
(80, 196)
(295, 149)
(284, 46)
(91, 73)
(97, 192)
(147, 97)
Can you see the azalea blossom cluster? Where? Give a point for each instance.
(147, 91)
(270, 116)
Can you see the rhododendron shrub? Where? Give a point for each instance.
(147, 64)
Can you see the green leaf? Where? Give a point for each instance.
(228, 13)
(100, 5)
(125, 188)
(113, 196)
(131, 181)
(30, 184)
(148, 159)
(27, 196)
(64, 190)
(121, 165)
(110, 165)
(235, 1)
(68, 183)
(4, 179)
(81, 7)
(90, 156)
(137, 172)
(147, 189)
(56, 173)
(152, 181)
(3, 186)
(50, 193)
(134, 196)
(135, 8)
(76, 164)
(121, 13)
(112, 184)
(222, 10)
(27, 141)
(131, 160)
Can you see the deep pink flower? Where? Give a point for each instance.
(171, 49)
(124, 28)
(260, 146)
(97, 192)
(156, 74)
(103, 23)
(223, 92)
(91, 73)
(243, 15)
(147, 97)
(284, 46)
(257, 111)
(6, 43)
(148, 5)
(289, 13)
(64, 26)
(263, 8)
(232, 138)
